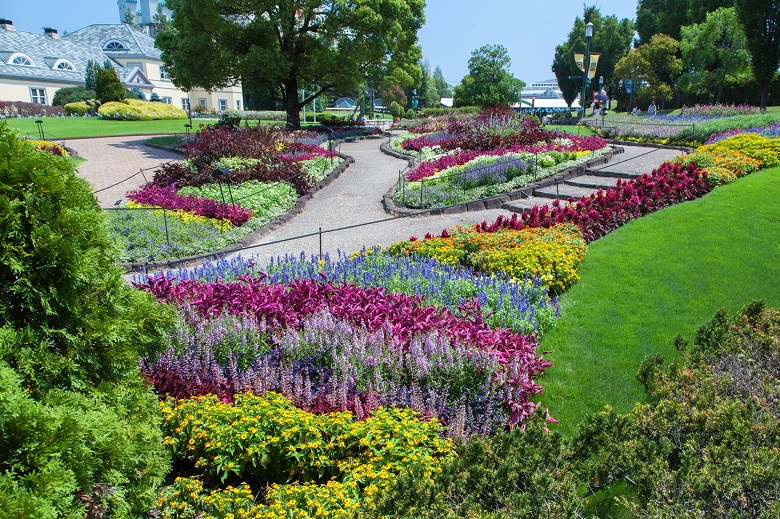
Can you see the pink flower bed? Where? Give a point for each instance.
(166, 197)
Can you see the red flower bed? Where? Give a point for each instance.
(166, 197)
(605, 211)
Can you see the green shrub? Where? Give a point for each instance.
(708, 442)
(516, 474)
(410, 114)
(77, 322)
(136, 110)
(108, 87)
(396, 110)
(66, 448)
(73, 94)
(78, 108)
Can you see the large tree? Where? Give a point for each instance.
(611, 39)
(442, 87)
(653, 66)
(713, 51)
(489, 81)
(669, 16)
(761, 23)
(335, 44)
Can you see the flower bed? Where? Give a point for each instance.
(239, 179)
(551, 255)
(461, 160)
(341, 346)
(316, 465)
(679, 129)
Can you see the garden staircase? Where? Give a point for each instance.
(632, 163)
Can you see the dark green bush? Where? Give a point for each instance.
(708, 442)
(108, 87)
(410, 114)
(396, 110)
(73, 94)
(516, 474)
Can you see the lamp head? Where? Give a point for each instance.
(589, 30)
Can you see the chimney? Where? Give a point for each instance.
(51, 33)
(8, 25)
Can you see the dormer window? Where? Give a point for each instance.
(20, 59)
(114, 45)
(63, 64)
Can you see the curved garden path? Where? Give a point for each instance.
(349, 210)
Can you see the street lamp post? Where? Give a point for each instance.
(586, 66)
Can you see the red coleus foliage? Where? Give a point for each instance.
(284, 306)
(166, 197)
(605, 211)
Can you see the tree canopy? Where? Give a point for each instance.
(669, 16)
(611, 38)
(654, 64)
(761, 23)
(336, 45)
(712, 51)
(489, 81)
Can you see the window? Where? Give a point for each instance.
(202, 101)
(135, 64)
(63, 64)
(164, 73)
(223, 105)
(114, 45)
(238, 104)
(167, 100)
(20, 59)
(38, 95)
(185, 104)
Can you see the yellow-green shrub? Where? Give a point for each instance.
(78, 108)
(137, 110)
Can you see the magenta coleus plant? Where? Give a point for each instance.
(605, 211)
(166, 197)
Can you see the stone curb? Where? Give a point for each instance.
(497, 201)
(249, 238)
(686, 149)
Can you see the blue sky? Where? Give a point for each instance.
(530, 30)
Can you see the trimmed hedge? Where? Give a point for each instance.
(136, 110)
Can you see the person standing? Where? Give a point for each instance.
(651, 109)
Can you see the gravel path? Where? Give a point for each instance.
(349, 210)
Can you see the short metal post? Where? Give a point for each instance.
(422, 188)
(165, 220)
(320, 243)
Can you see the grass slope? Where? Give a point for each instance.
(661, 275)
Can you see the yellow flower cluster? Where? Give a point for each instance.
(735, 157)
(186, 217)
(553, 255)
(49, 144)
(268, 439)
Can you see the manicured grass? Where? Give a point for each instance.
(661, 275)
(57, 128)
(574, 130)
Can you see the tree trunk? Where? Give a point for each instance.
(764, 95)
(291, 103)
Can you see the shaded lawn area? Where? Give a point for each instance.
(660, 275)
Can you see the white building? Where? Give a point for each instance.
(34, 66)
(143, 11)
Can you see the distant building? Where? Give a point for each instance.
(544, 96)
(143, 12)
(34, 66)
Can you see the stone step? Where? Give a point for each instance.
(592, 182)
(563, 191)
(522, 205)
(605, 172)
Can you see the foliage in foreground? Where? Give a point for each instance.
(78, 431)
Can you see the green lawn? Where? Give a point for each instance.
(663, 274)
(56, 128)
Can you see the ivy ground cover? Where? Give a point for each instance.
(461, 160)
(231, 183)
